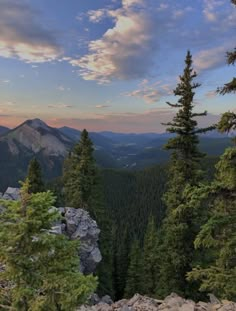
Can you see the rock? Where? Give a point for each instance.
(119, 304)
(213, 299)
(12, 194)
(171, 303)
(94, 299)
(103, 307)
(107, 299)
(79, 225)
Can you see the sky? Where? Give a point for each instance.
(111, 64)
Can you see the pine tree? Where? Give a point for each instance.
(83, 189)
(150, 271)
(178, 228)
(35, 177)
(134, 282)
(80, 173)
(102, 216)
(121, 262)
(217, 235)
(228, 119)
(41, 269)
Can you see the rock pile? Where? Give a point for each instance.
(171, 303)
(77, 224)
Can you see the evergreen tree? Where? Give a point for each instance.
(217, 235)
(102, 216)
(82, 189)
(80, 173)
(121, 262)
(134, 280)
(150, 272)
(228, 119)
(178, 228)
(41, 268)
(35, 177)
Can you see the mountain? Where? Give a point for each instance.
(103, 146)
(3, 130)
(49, 145)
(33, 138)
(99, 140)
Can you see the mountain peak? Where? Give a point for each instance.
(37, 123)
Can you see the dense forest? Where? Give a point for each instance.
(167, 228)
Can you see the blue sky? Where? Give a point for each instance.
(111, 65)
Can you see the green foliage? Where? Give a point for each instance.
(80, 173)
(35, 177)
(218, 233)
(100, 213)
(134, 282)
(150, 268)
(179, 228)
(82, 189)
(227, 122)
(130, 198)
(41, 269)
(228, 119)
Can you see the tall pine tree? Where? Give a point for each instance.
(83, 189)
(217, 236)
(178, 228)
(228, 119)
(40, 269)
(35, 177)
(80, 173)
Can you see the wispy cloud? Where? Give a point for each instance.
(60, 106)
(151, 92)
(211, 94)
(102, 106)
(211, 58)
(23, 36)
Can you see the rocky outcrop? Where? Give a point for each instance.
(171, 303)
(77, 224)
(11, 194)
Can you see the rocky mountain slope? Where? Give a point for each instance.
(3, 129)
(171, 303)
(33, 138)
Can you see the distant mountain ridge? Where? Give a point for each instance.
(3, 130)
(34, 138)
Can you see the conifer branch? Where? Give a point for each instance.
(199, 114)
(174, 105)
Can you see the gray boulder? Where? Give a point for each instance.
(11, 194)
(79, 225)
